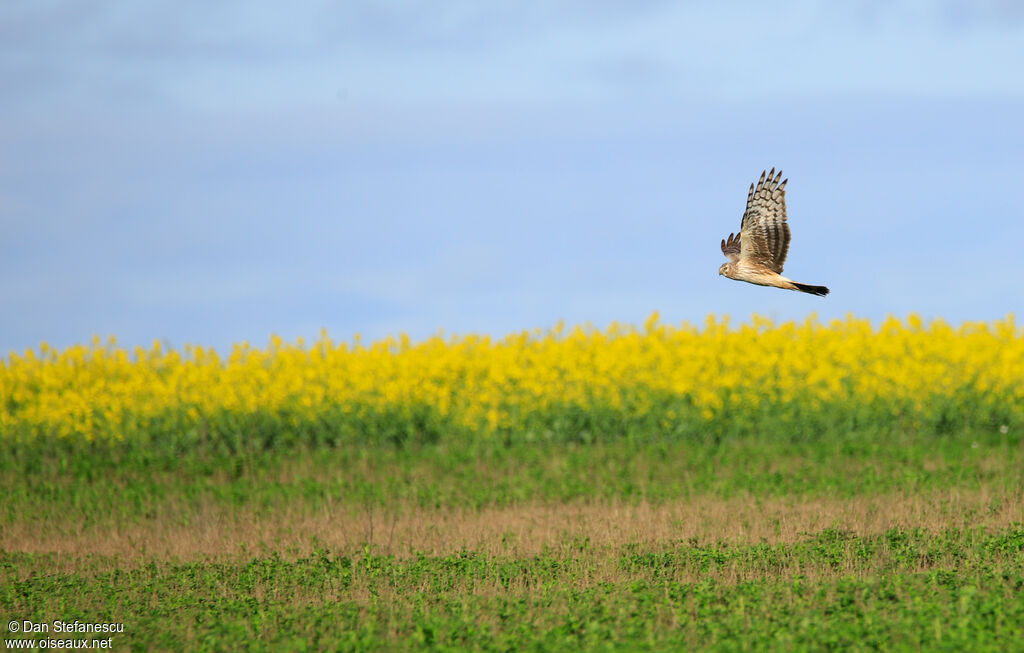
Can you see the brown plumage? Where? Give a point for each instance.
(757, 252)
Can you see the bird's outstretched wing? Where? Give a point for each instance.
(731, 247)
(764, 234)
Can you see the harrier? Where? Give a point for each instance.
(757, 253)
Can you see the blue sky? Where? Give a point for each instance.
(216, 172)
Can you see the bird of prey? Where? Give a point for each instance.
(757, 253)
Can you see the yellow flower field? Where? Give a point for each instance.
(902, 374)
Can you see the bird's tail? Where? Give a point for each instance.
(821, 291)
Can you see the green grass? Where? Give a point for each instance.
(96, 482)
(859, 541)
(955, 590)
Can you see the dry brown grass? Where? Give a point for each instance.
(211, 531)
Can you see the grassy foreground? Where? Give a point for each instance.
(909, 589)
(755, 543)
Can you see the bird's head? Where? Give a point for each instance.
(721, 270)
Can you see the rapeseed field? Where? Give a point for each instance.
(564, 383)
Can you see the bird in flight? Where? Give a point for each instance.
(757, 253)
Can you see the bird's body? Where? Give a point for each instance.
(757, 253)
